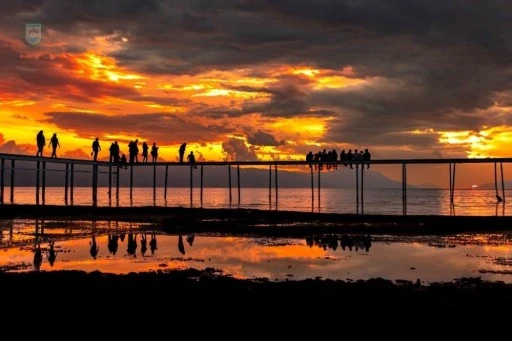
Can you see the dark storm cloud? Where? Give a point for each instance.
(161, 127)
(261, 138)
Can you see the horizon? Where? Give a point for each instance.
(244, 80)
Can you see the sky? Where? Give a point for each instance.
(261, 80)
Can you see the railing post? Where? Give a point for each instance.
(66, 180)
(154, 183)
(43, 186)
(72, 183)
(318, 189)
(277, 187)
(451, 185)
(2, 172)
(191, 186)
(37, 182)
(12, 181)
(165, 181)
(94, 184)
(201, 191)
(270, 185)
(357, 188)
(362, 188)
(238, 181)
(229, 183)
(109, 181)
(131, 183)
(117, 183)
(502, 182)
(312, 188)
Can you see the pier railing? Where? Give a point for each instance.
(8, 162)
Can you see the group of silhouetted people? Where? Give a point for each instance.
(113, 246)
(344, 241)
(330, 158)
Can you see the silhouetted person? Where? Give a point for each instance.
(41, 143)
(190, 239)
(343, 157)
(350, 157)
(123, 162)
(94, 247)
(114, 152)
(309, 158)
(181, 247)
(192, 159)
(143, 244)
(145, 148)
(367, 157)
(54, 142)
(132, 244)
(182, 151)
(51, 254)
(95, 149)
(113, 243)
(133, 151)
(38, 257)
(154, 152)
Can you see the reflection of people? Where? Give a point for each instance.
(181, 247)
(190, 239)
(143, 244)
(51, 254)
(152, 243)
(94, 247)
(113, 243)
(132, 244)
(38, 257)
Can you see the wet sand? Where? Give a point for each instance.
(212, 288)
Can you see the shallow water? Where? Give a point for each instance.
(84, 245)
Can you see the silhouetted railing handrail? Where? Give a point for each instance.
(22, 157)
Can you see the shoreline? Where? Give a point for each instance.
(266, 222)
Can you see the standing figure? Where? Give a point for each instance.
(182, 151)
(154, 152)
(95, 149)
(192, 159)
(145, 148)
(41, 142)
(54, 142)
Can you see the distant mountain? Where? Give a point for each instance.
(214, 176)
(426, 185)
(490, 185)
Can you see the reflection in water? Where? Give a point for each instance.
(488, 256)
(181, 247)
(152, 243)
(94, 247)
(143, 244)
(113, 243)
(345, 241)
(51, 254)
(38, 257)
(190, 239)
(132, 244)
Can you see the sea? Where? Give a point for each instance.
(473, 202)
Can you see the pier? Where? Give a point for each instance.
(39, 167)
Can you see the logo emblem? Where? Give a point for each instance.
(33, 33)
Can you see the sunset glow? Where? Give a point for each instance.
(207, 77)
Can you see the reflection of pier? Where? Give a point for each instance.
(11, 164)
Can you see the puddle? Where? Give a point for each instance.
(120, 248)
